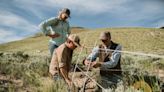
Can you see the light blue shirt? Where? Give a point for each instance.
(108, 64)
(57, 26)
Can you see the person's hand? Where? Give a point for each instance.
(110, 54)
(96, 64)
(69, 82)
(87, 63)
(54, 35)
(72, 86)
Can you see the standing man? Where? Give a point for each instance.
(109, 60)
(62, 57)
(57, 28)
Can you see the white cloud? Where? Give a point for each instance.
(78, 6)
(118, 12)
(90, 6)
(139, 13)
(35, 6)
(14, 21)
(117, 8)
(14, 27)
(7, 36)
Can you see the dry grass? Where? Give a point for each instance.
(31, 64)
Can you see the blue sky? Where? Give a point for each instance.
(20, 18)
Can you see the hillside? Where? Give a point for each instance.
(24, 64)
(149, 40)
(36, 43)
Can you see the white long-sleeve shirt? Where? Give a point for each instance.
(113, 61)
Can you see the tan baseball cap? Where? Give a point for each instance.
(105, 35)
(75, 39)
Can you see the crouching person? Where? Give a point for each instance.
(61, 59)
(109, 61)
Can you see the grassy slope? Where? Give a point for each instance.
(132, 39)
(33, 44)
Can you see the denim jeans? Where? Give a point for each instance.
(57, 77)
(52, 47)
(111, 81)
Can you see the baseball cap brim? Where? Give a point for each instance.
(103, 38)
(68, 15)
(78, 45)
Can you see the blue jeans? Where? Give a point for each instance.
(111, 81)
(52, 47)
(57, 77)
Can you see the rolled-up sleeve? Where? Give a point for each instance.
(45, 25)
(92, 57)
(68, 30)
(114, 58)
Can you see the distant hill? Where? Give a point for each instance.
(162, 27)
(35, 43)
(132, 39)
(24, 64)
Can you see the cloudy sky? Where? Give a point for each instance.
(20, 18)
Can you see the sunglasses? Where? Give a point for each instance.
(74, 45)
(66, 16)
(104, 41)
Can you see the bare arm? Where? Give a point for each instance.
(64, 73)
